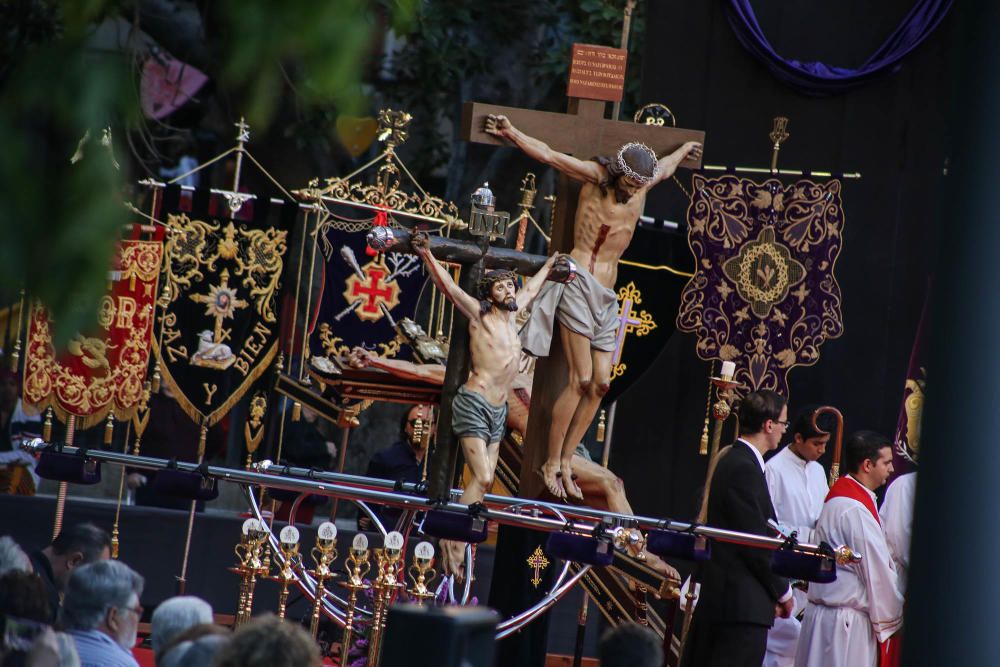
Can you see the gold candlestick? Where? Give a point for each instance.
(250, 565)
(423, 564)
(357, 567)
(289, 545)
(324, 553)
(385, 585)
(725, 389)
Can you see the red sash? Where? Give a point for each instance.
(850, 488)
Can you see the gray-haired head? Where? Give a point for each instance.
(176, 615)
(200, 652)
(96, 587)
(12, 557)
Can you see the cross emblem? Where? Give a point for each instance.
(221, 303)
(365, 296)
(538, 562)
(629, 320)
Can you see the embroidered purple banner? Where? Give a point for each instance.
(764, 293)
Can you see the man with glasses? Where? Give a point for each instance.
(101, 612)
(740, 596)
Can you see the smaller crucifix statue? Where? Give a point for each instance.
(610, 203)
(479, 410)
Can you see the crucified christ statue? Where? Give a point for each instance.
(611, 200)
(479, 410)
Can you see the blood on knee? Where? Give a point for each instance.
(612, 483)
(584, 385)
(602, 388)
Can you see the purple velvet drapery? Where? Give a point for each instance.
(816, 78)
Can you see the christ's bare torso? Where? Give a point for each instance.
(495, 350)
(603, 230)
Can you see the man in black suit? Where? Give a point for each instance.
(740, 596)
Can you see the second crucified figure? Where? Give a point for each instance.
(611, 200)
(479, 409)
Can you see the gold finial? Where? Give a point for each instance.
(779, 133)
(243, 136)
(47, 426)
(109, 428)
(393, 127)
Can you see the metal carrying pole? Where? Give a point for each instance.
(502, 509)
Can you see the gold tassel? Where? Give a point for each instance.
(296, 411)
(703, 443)
(114, 538)
(16, 354)
(109, 428)
(155, 385)
(601, 426)
(47, 427)
(202, 440)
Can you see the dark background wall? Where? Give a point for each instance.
(892, 130)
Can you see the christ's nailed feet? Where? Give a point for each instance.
(569, 480)
(453, 558)
(550, 474)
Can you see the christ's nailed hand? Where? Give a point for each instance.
(497, 124)
(420, 241)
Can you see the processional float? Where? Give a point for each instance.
(582, 537)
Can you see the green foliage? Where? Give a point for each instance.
(458, 42)
(327, 41)
(58, 221)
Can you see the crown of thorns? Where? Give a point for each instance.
(628, 171)
(491, 277)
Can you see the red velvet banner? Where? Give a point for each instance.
(104, 370)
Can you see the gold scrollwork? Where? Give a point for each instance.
(185, 248)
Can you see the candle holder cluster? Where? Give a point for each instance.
(389, 576)
(253, 563)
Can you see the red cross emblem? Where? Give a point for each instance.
(366, 295)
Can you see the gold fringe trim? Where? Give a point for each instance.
(210, 420)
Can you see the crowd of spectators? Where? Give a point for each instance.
(71, 605)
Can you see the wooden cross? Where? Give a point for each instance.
(585, 133)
